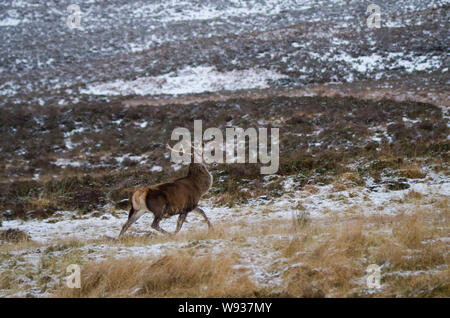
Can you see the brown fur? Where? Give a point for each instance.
(164, 200)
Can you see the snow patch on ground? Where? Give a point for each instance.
(9, 22)
(170, 11)
(131, 157)
(187, 81)
(67, 162)
(156, 169)
(67, 137)
(392, 61)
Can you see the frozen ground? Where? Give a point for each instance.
(67, 224)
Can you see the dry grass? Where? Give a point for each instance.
(175, 275)
(410, 231)
(412, 171)
(329, 260)
(319, 259)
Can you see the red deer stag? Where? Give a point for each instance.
(167, 199)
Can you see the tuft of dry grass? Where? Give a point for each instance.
(412, 172)
(311, 189)
(414, 196)
(300, 219)
(410, 230)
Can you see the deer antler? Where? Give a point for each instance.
(195, 149)
(182, 149)
(171, 149)
(198, 148)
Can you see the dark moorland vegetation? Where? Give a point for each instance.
(319, 138)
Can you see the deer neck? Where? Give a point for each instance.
(202, 178)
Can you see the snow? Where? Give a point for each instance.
(378, 133)
(67, 162)
(392, 61)
(187, 81)
(142, 124)
(67, 137)
(416, 63)
(437, 270)
(128, 156)
(9, 88)
(156, 168)
(176, 167)
(9, 22)
(169, 11)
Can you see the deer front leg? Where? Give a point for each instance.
(155, 225)
(202, 213)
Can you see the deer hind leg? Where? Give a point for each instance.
(132, 217)
(202, 213)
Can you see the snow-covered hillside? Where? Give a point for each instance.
(43, 61)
